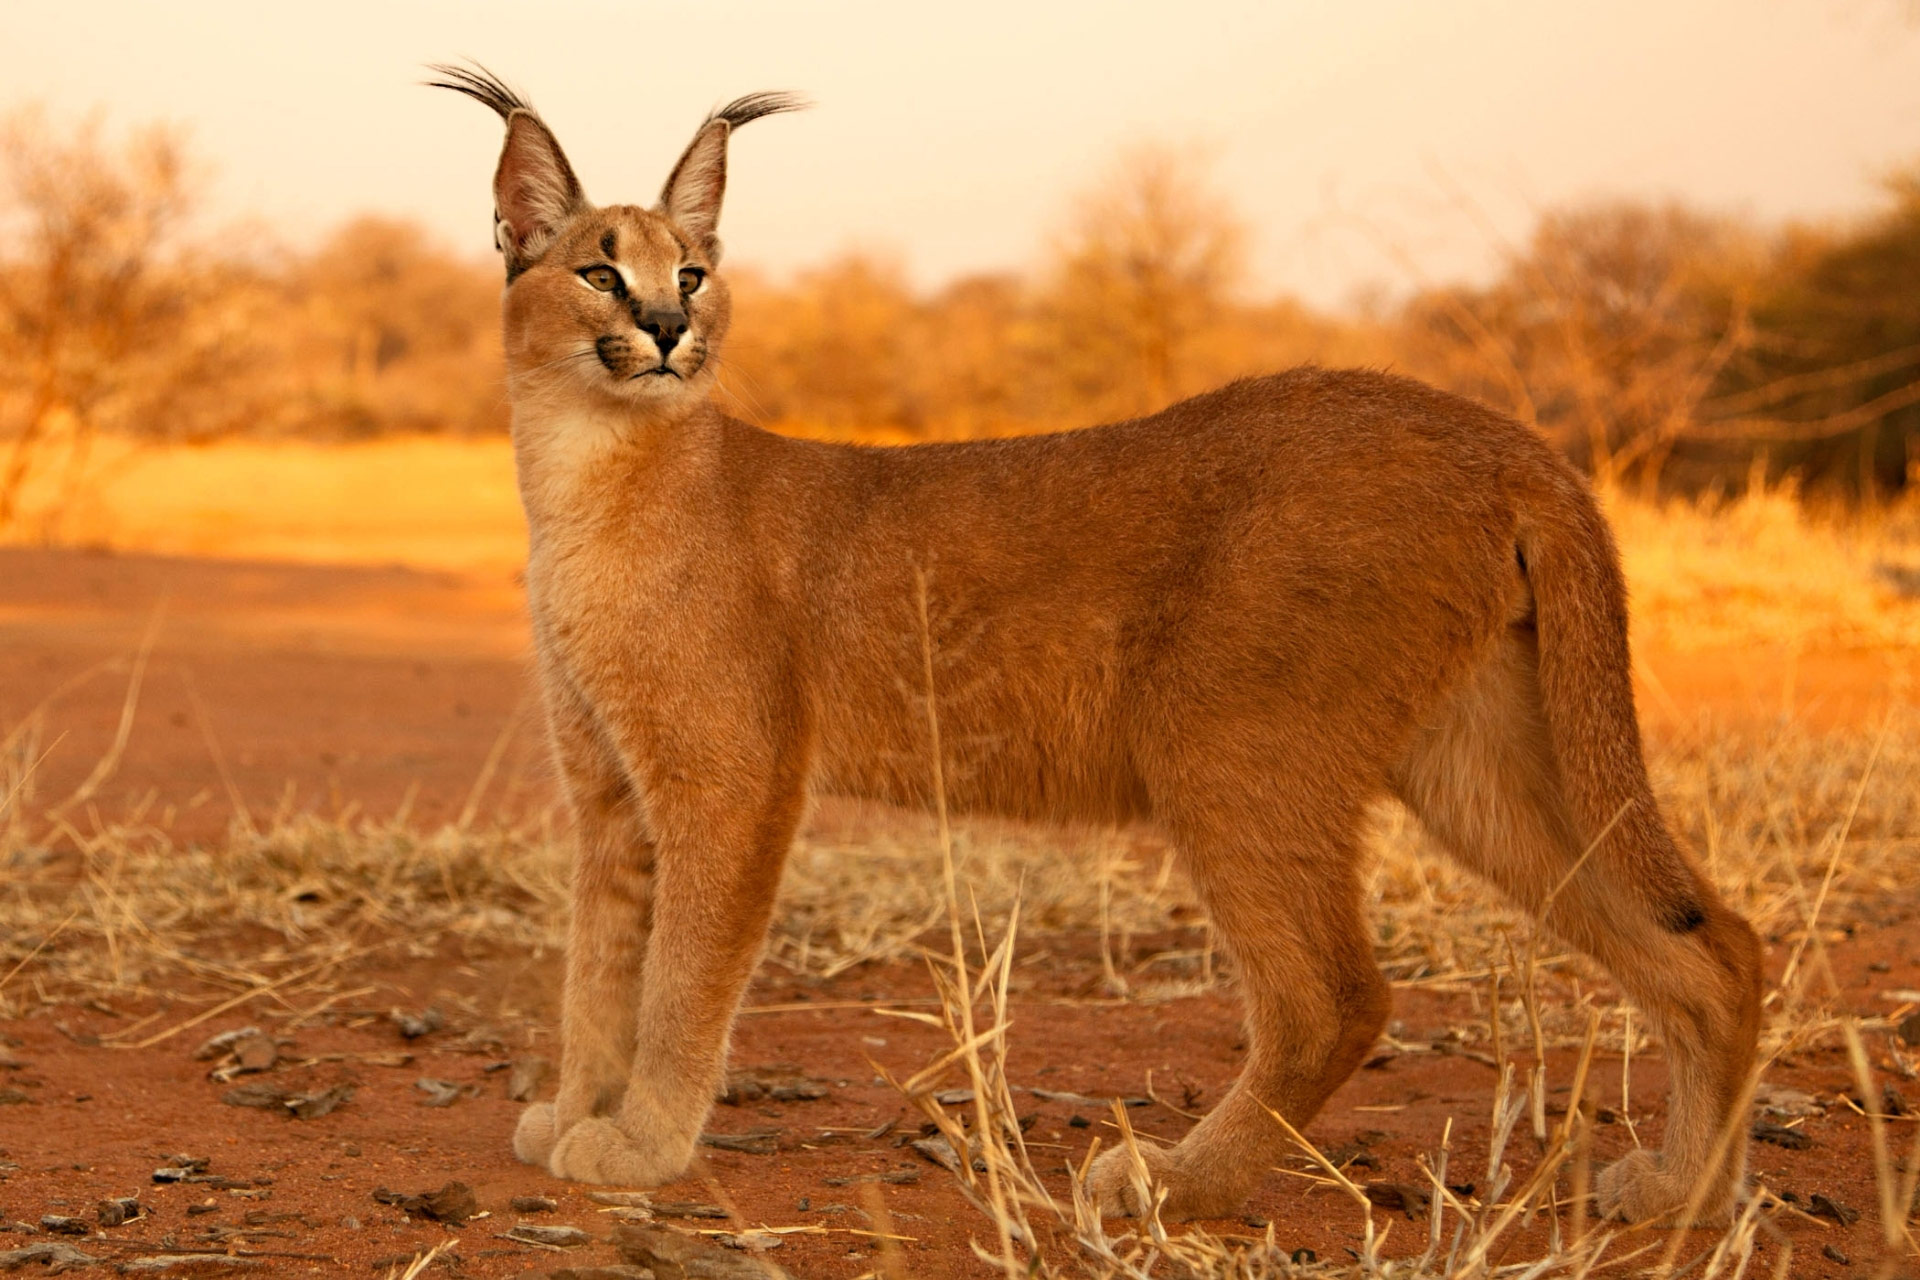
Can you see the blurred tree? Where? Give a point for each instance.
(105, 319)
(834, 349)
(1146, 268)
(1832, 389)
(1606, 331)
(394, 334)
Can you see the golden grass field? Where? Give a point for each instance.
(1753, 571)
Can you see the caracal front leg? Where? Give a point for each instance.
(606, 935)
(720, 852)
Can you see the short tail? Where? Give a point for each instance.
(1586, 685)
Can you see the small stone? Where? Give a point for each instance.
(781, 1082)
(755, 1142)
(415, 1025)
(261, 1094)
(1780, 1136)
(180, 1168)
(256, 1052)
(440, 1093)
(686, 1209)
(53, 1255)
(12, 1098)
(1409, 1199)
(453, 1203)
(623, 1199)
(118, 1211)
(311, 1106)
(1832, 1254)
(1909, 1031)
(558, 1237)
(750, 1241)
(1079, 1122)
(209, 1205)
(61, 1225)
(219, 1046)
(533, 1204)
(1822, 1207)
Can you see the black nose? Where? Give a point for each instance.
(665, 325)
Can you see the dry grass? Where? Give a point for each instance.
(1760, 569)
(1783, 817)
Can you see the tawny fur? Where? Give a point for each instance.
(1239, 620)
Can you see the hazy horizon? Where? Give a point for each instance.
(954, 144)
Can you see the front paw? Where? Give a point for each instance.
(598, 1150)
(1638, 1188)
(534, 1137)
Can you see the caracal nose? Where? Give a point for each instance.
(665, 325)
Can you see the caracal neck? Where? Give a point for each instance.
(574, 459)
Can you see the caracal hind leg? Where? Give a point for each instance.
(1484, 781)
(720, 852)
(1279, 879)
(606, 935)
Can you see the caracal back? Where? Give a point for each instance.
(1241, 620)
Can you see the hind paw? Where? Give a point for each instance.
(1639, 1188)
(1115, 1186)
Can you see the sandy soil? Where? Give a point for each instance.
(316, 688)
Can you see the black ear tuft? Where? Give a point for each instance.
(479, 84)
(750, 108)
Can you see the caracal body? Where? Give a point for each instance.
(1241, 620)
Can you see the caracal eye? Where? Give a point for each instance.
(605, 279)
(690, 278)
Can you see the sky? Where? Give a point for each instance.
(1367, 145)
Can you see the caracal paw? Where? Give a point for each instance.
(535, 1135)
(598, 1150)
(1114, 1182)
(1639, 1188)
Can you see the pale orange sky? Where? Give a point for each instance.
(951, 136)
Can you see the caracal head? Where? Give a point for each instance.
(617, 304)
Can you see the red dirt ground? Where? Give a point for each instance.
(315, 687)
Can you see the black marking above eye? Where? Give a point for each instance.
(609, 242)
(690, 278)
(603, 278)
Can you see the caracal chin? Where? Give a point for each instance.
(1240, 620)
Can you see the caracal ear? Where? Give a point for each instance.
(534, 190)
(694, 189)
